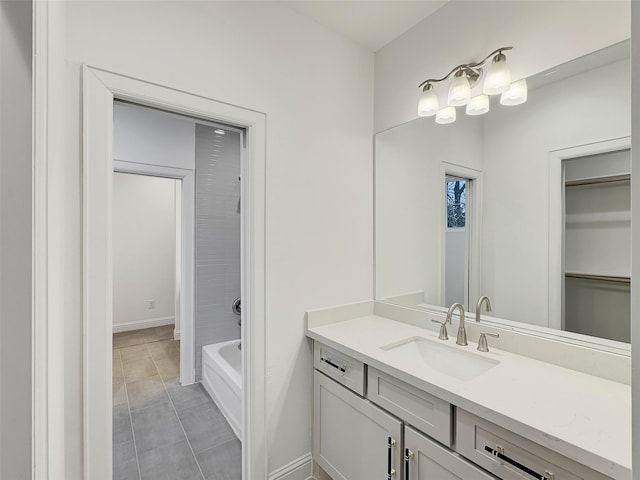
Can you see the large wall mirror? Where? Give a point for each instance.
(527, 204)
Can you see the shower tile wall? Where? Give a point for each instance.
(217, 237)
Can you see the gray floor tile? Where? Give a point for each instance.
(146, 392)
(134, 353)
(119, 392)
(121, 424)
(126, 471)
(117, 364)
(160, 333)
(223, 462)
(141, 368)
(156, 426)
(205, 426)
(171, 462)
(163, 349)
(127, 339)
(168, 368)
(188, 396)
(123, 452)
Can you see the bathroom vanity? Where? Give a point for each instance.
(393, 400)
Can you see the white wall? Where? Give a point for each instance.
(316, 89)
(543, 34)
(144, 251)
(15, 239)
(410, 196)
(144, 135)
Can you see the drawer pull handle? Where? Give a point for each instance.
(408, 456)
(342, 368)
(390, 471)
(499, 452)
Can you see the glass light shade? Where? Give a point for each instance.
(459, 91)
(497, 76)
(428, 104)
(478, 105)
(516, 94)
(446, 115)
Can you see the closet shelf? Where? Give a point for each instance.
(598, 181)
(598, 217)
(601, 278)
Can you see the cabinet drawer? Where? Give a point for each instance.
(424, 459)
(342, 368)
(425, 412)
(519, 458)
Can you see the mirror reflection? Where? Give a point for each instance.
(528, 205)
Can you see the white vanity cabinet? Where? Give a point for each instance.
(424, 459)
(429, 414)
(352, 438)
(386, 428)
(512, 457)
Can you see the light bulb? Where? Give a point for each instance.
(428, 104)
(478, 105)
(516, 94)
(459, 91)
(446, 115)
(497, 76)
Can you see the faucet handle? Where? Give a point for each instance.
(443, 329)
(482, 341)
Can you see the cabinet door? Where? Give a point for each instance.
(425, 459)
(351, 436)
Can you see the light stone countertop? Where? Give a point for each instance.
(583, 417)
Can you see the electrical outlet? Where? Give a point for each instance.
(151, 304)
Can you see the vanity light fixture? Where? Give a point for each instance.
(446, 115)
(478, 105)
(516, 94)
(497, 80)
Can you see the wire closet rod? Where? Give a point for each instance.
(602, 278)
(597, 181)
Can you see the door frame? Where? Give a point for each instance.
(187, 255)
(473, 258)
(100, 89)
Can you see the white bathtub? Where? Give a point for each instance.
(222, 377)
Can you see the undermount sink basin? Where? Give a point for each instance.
(441, 357)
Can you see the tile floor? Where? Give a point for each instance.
(162, 430)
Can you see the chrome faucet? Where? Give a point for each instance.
(479, 306)
(462, 333)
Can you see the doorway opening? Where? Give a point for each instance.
(100, 90)
(177, 216)
(596, 246)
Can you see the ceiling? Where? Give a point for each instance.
(370, 23)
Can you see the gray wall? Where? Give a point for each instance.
(15, 240)
(217, 281)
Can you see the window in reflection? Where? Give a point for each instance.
(456, 242)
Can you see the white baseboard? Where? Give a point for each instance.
(176, 334)
(139, 324)
(300, 469)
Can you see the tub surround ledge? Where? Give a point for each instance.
(584, 417)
